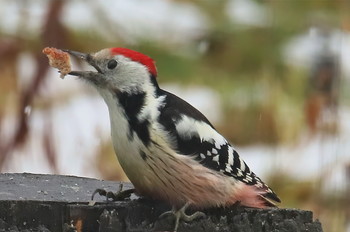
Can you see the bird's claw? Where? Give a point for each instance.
(114, 196)
(181, 215)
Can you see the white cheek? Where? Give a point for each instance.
(130, 75)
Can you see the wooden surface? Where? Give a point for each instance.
(30, 202)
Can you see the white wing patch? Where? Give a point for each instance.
(187, 127)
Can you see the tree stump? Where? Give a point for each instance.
(56, 203)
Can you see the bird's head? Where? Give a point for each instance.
(118, 69)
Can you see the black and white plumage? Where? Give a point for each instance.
(167, 148)
(197, 137)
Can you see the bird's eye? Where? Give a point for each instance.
(112, 64)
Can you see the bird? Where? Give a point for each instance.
(167, 148)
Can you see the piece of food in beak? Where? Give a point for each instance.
(58, 59)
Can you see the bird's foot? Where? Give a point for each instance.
(114, 196)
(180, 214)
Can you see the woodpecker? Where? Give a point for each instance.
(167, 148)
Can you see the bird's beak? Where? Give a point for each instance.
(86, 57)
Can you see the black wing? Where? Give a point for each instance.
(213, 152)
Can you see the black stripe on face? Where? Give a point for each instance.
(133, 104)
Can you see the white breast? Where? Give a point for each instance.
(127, 151)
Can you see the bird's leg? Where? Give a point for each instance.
(118, 196)
(181, 214)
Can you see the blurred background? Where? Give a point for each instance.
(273, 77)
